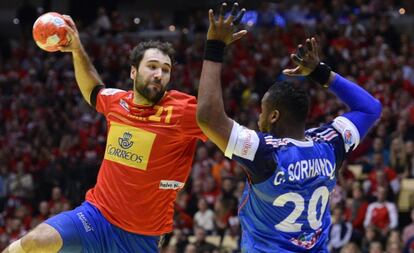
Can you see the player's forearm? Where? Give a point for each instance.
(365, 109)
(211, 116)
(210, 101)
(85, 73)
(354, 96)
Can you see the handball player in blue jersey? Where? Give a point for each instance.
(291, 171)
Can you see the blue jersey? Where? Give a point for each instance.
(285, 205)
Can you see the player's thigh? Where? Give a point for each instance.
(43, 238)
(65, 228)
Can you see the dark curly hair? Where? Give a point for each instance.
(292, 102)
(138, 52)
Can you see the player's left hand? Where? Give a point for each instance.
(306, 59)
(223, 29)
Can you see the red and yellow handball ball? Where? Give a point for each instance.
(49, 31)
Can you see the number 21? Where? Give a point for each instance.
(289, 223)
(160, 109)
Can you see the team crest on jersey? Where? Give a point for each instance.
(348, 137)
(125, 141)
(124, 104)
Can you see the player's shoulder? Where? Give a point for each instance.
(326, 132)
(266, 140)
(113, 92)
(180, 97)
(341, 129)
(280, 143)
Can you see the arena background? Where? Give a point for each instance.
(51, 142)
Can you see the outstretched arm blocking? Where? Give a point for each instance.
(365, 109)
(211, 116)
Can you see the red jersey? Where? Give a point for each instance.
(148, 156)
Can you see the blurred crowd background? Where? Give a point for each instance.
(52, 142)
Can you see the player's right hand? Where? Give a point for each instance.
(74, 40)
(223, 30)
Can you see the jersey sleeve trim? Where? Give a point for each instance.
(94, 94)
(348, 131)
(231, 144)
(243, 142)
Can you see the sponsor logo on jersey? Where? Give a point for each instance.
(86, 225)
(171, 185)
(129, 146)
(247, 143)
(128, 156)
(125, 141)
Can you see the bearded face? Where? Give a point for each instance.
(152, 76)
(151, 89)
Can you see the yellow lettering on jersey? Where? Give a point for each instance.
(160, 109)
(169, 110)
(129, 146)
(157, 116)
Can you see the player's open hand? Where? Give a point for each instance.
(306, 59)
(74, 41)
(224, 29)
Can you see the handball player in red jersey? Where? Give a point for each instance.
(152, 135)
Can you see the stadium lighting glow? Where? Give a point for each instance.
(137, 21)
(171, 28)
(16, 21)
(401, 11)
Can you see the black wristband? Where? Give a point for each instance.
(321, 74)
(214, 50)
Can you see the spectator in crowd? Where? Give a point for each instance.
(381, 176)
(382, 214)
(200, 243)
(21, 182)
(191, 248)
(43, 214)
(408, 231)
(340, 231)
(375, 247)
(394, 242)
(357, 209)
(204, 217)
(102, 23)
(179, 240)
(350, 248)
(398, 158)
(4, 182)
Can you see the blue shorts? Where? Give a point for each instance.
(84, 229)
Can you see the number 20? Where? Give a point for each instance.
(289, 223)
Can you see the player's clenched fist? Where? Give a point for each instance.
(223, 29)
